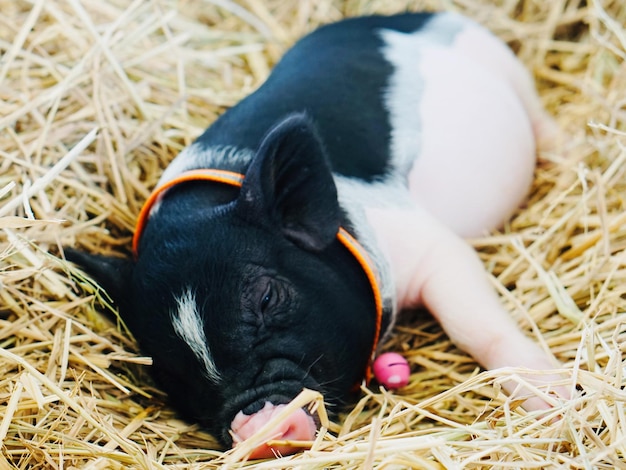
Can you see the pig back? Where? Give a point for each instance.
(339, 76)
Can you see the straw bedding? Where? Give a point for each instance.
(97, 96)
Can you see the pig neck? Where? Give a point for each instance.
(360, 201)
(405, 238)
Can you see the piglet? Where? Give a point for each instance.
(278, 248)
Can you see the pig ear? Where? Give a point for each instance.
(289, 184)
(113, 274)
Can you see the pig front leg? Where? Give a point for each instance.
(460, 296)
(438, 270)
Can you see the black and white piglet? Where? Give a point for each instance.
(278, 248)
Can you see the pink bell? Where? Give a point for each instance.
(391, 370)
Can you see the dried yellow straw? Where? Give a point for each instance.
(97, 97)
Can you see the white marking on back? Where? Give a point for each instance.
(198, 155)
(405, 87)
(189, 326)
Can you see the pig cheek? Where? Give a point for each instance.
(181, 374)
(192, 395)
(341, 364)
(351, 341)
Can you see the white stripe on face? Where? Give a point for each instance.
(189, 326)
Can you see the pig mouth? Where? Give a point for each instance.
(252, 401)
(283, 429)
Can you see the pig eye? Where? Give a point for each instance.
(268, 298)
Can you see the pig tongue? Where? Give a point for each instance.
(298, 426)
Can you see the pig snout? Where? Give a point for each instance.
(297, 426)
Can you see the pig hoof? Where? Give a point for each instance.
(391, 370)
(298, 426)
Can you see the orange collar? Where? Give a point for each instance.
(236, 179)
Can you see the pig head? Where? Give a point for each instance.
(244, 296)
